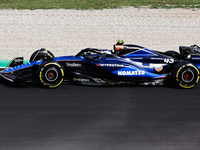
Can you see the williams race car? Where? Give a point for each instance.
(127, 64)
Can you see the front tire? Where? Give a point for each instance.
(186, 75)
(41, 54)
(50, 74)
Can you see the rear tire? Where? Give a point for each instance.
(186, 74)
(50, 74)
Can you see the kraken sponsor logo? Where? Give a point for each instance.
(131, 73)
(110, 65)
(73, 64)
(81, 79)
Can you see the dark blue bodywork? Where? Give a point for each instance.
(132, 64)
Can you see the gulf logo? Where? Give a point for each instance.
(158, 68)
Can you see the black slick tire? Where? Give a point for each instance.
(50, 74)
(37, 55)
(186, 74)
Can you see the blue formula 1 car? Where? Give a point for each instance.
(127, 64)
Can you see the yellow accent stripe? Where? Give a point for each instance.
(48, 53)
(60, 81)
(177, 74)
(62, 72)
(57, 84)
(196, 80)
(40, 76)
(197, 72)
(187, 86)
(52, 64)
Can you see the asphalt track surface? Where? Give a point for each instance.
(75, 117)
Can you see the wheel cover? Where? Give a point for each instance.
(187, 76)
(51, 74)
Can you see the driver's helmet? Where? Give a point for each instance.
(104, 52)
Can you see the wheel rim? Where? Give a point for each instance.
(187, 76)
(51, 74)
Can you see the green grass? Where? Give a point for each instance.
(4, 63)
(95, 4)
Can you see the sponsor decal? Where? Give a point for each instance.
(18, 60)
(110, 65)
(73, 64)
(169, 60)
(158, 68)
(81, 79)
(196, 58)
(132, 73)
(151, 83)
(98, 80)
